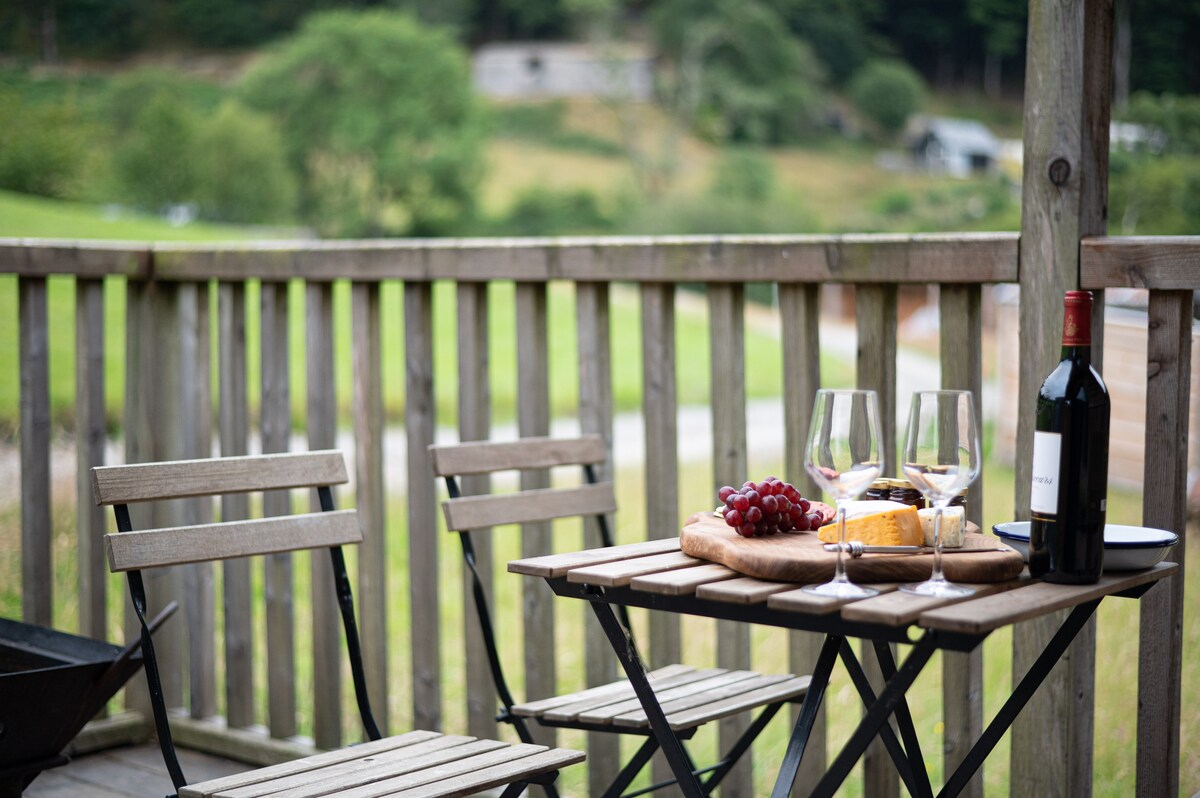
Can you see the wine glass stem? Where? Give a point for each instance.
(839, 575)
(937, 546)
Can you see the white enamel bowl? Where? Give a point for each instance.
(1126, 548)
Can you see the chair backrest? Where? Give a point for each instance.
(129, 551)
(464, 513)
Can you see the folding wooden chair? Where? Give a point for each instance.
(695, 697)
(419, 763)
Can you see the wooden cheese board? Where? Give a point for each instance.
(800, 556)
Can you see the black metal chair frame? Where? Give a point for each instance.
(345, 599)
(646, 751)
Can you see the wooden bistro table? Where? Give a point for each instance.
(657, 575)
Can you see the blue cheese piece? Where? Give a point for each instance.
(953, 526)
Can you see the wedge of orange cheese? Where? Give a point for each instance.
(878, 523)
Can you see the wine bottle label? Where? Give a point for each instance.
(1047, 452)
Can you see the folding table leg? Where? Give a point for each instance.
(877, 715)
(807, 717)
(632, 768)
(626, 652)
(1028, 685)
(907, 757)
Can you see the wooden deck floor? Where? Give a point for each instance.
(131, 772)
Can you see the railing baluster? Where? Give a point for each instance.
(533, 419)
(592, 332)
(35, 452)
(321, 424)
(799, 311)
(1164, 505)
(474, 424)
(727, 350)
(276, 424)
(876, 318)
(420, 421)
(89, 452)
(961, 348)
(233, 429)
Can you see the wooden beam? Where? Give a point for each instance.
(1157, 262)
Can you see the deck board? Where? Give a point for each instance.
(132, 772)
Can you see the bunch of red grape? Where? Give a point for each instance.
(767, 507)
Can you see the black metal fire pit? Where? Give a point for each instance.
(51, 684)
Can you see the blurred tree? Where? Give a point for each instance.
(887, 92)
(840, 31)
(1002, 23)
(241, 172)
(380, 122)
(153, 160)
(236, 23)
(737, 72)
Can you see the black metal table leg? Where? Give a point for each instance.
(877, 715)
(1029, 684)
(908, 733)
(807, 717)
(627, 653)
(902, 755)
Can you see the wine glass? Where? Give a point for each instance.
(941, 457)
(842, 456)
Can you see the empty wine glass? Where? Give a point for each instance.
(940, 458)
(842, 456)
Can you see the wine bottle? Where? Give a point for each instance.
(1070, 458)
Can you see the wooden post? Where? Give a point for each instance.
(1068, 76)
(35, 452)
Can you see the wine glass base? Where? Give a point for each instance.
(938, 589)
(841, 590)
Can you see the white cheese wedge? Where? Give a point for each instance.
(953, 526)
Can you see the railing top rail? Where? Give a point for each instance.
(892, 258)
(1158, 262)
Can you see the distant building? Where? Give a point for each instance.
(539, 70)
(959, 147)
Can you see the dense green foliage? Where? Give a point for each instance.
(887, 92)
(43, 147)
(382, 124)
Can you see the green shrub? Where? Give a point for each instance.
(241, 172)
(896, 202)
(154, 159)
(1151, 195)
(1178, 119)
(887, 92)
(43, 148)
(744, 173)
(545, 212)
(380, 122)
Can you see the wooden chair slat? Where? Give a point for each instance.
(128, 551)
(807, 602)
(433, 781)
(683, 582)
(324, 759)
(179, 479)
(792, 688)
(486, 457)
(535, 708)
(617, 574)
(493, 776)
(720, 678)
(742, 590)
(365, 768)
(540, 504)
(556, 565)
(572, 711)
(698, 707)
(981, 615)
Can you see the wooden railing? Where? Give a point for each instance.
(172, 410)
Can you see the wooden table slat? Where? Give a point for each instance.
(743, 590)
(618, 574)
(683, 581)
(534, 708)
(552, 566)
(982, 615)
(799, 601)
(897, 608)
(572, 711)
